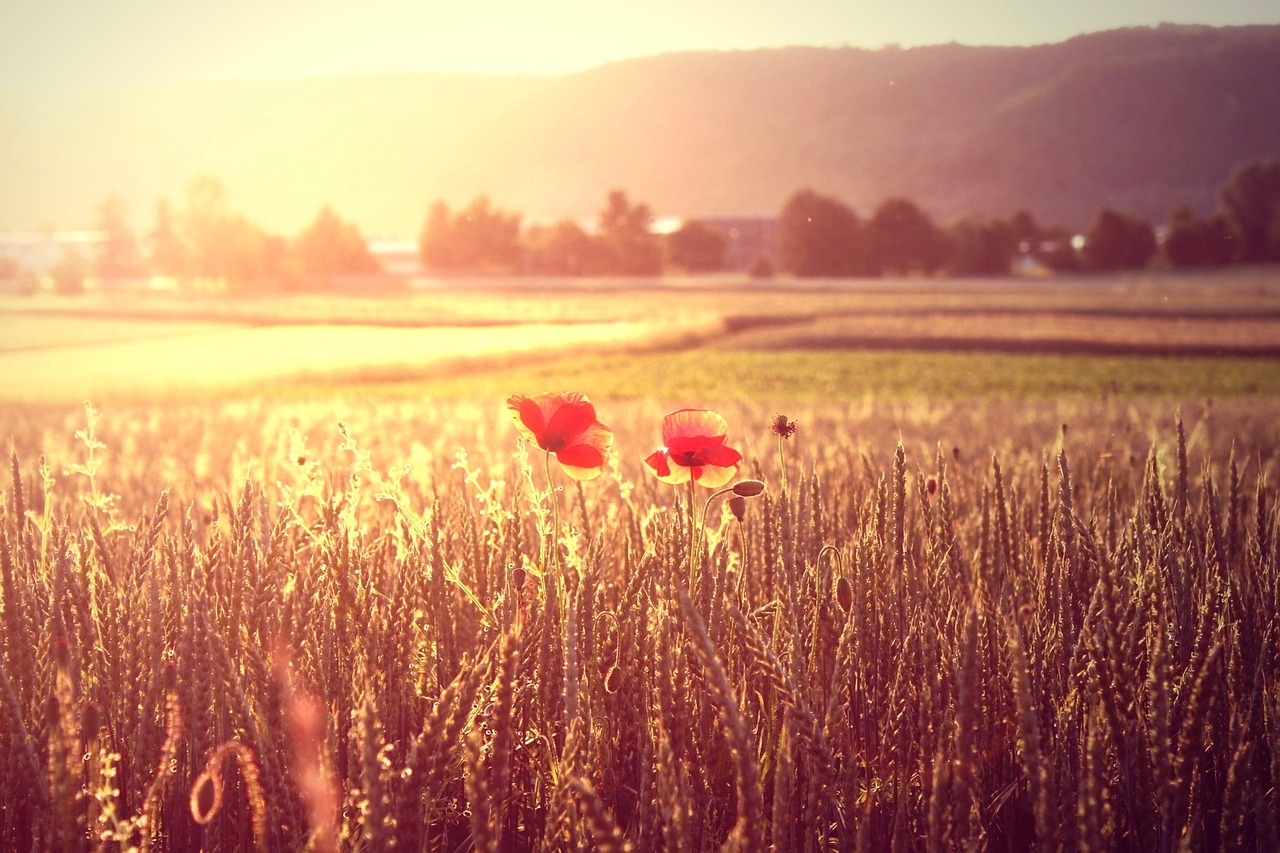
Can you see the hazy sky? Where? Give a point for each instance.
(107, 43)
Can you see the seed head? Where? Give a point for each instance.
(782, 427)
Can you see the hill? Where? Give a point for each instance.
(1142, 119)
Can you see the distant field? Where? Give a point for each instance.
(237, 359)
(1034, 332)
(850, 375)
(27, 333)
(487, 301)
(732, 339)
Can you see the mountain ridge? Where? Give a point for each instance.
(1139, 118)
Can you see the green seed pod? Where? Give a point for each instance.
(844, 594)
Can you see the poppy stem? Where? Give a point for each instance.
(706, 508)
(554, 552)
(693, 538)
(782, 459)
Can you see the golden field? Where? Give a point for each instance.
(996, 600)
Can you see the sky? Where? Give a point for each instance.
(95, 44)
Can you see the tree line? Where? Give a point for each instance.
(822, 236)
(817, 235)
(202, 238)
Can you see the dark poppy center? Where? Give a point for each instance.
(686, 458)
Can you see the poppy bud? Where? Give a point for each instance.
(613, 680)
(206, 797)
(931, 485)
(169, 676)
(844, 594)
(748, 488)
(517, 577)
(62, 652)
(52, 710)
(738, 506)
(90, 721)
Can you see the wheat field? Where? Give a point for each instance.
(957, 625)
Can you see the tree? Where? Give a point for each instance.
(760, 267)
(561, 249)
(118, 255)
(697, 247)
(170, 254)
(1250, 203)
(203, 222)
(229, 247)
(1023, 231)
(977, 247)
(435, 245)
(69, 273)
(491, 235)
(819, 236)
(904, 239)
(479, 238)
(1118, 241)
(1190, 242)
(626, 243)
(330, 246)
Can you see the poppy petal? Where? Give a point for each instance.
(715, 476)
(534, 414)
(527, 416)
(693, 423)
(660, 462)
(657, 460)
(568, 421)
(719, 454)
(694, 444)
(596, 435)
(581, 462)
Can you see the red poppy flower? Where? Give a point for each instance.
(694, 448)
(566, 425)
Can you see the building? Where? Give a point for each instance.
(39, 252)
